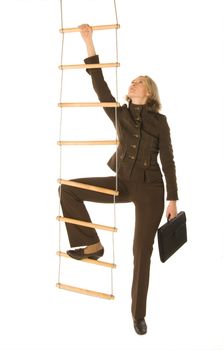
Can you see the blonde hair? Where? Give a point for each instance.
(153, 101)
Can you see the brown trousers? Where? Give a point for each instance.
(149, 206)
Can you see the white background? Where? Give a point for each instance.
(179, 44)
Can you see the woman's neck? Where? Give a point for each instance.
(139, 101)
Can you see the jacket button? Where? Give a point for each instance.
(131, 157)
(136, 135)
(133, 146)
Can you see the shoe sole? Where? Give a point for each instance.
(91, 256)
(94, 257)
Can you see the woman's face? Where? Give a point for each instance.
(138, 88)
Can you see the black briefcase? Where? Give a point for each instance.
(172, 235)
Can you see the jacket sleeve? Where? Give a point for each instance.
(100, 86)
(167, 160)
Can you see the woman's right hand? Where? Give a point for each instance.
(86, 32)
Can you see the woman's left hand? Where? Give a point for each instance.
(171, 211)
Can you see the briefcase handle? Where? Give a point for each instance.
(180, 212)
(168, 218)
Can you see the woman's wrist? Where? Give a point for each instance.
(90, 48)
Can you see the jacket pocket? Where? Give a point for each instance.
(153, 176)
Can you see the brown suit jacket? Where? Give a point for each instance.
(140, 141)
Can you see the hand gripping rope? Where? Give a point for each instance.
(62, 143)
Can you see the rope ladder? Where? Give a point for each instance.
(62, 143)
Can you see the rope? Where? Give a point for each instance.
(116, 127)
(60, 134)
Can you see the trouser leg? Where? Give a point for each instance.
(148, 211)
(72, 202)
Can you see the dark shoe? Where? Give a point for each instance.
(140, 326)
(79, 254)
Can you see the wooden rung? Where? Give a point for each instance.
(86, 224)
(90, 261)
(85, 143)
(88, 187)
(85, 291)
(88, 104)
(101, 27)
(89, 66)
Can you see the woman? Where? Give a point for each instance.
(143, 133)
